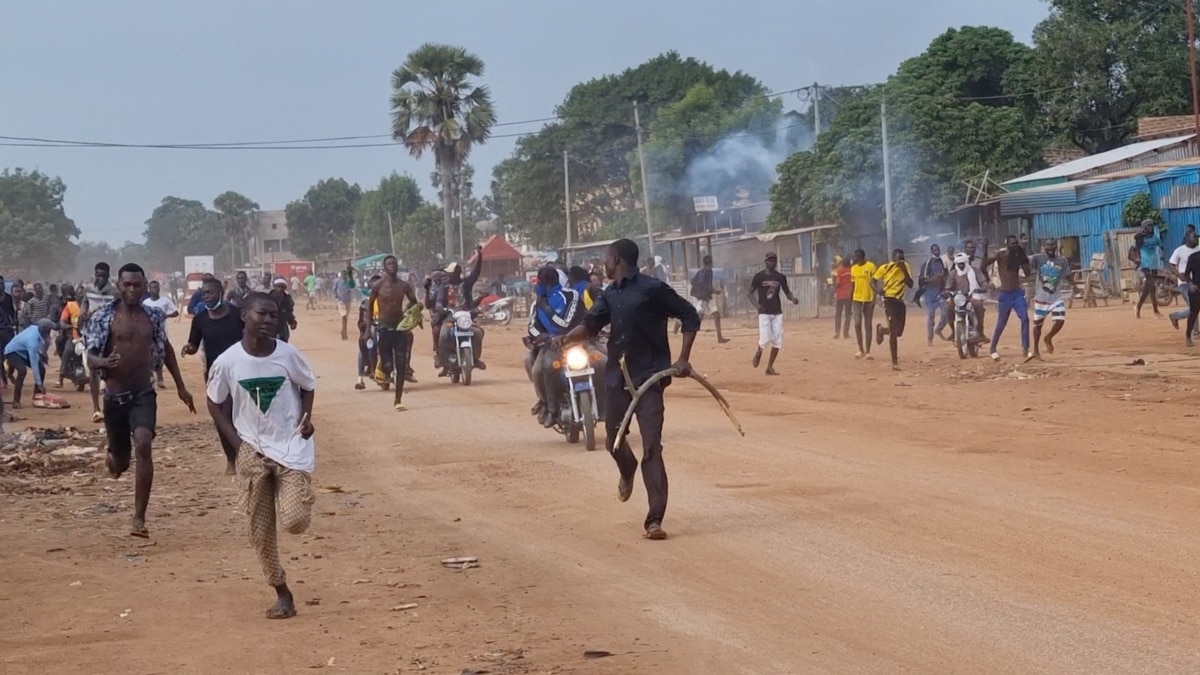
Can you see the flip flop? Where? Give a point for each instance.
(97, 417)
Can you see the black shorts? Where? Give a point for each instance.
(896, 313)
(125, 412)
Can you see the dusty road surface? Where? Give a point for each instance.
(953, 517)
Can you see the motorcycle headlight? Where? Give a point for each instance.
(577, 358)
(960, 300)
(463, 321)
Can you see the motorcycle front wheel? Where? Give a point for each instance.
(961, 341)
(589, 420)
(504, 316)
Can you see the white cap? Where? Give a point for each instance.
(961, 258)
(280, 282)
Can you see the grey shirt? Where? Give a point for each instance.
(1053, 278)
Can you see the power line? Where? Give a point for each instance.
(323, 143)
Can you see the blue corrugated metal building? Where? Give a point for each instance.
(1086, 209)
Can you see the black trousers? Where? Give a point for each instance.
(1193, 312)
(6, 335)
(394, 346)
(650, 423)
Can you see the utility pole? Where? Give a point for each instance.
(1191, 26)
(816, 110)
(887, 178)
(391, 234)
(637, 123)
(567, 199)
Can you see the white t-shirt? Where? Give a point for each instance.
(163, 302)
(1180, 257)
(266, 400)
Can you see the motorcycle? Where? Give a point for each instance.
(966, 327)
(495, 309)
(577, 409)
(75, 366)
(462, 358)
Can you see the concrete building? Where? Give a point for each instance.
(269, 242)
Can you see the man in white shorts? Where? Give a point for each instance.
(704, 292)
(765, 290)
(1052, 273)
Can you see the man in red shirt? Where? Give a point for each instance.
(843, 294)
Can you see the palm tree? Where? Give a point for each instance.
(438, 108)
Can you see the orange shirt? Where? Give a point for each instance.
(843, 285)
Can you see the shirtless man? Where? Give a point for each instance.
(391, 292)
(125, 340)
(1011, 261)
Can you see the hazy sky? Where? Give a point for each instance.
(205, 71)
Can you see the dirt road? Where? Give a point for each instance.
(952, 517)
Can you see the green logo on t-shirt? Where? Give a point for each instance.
(263, 389)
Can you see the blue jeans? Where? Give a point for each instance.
(1012, 301)
(933, 303)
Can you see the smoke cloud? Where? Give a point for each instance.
(747, 161)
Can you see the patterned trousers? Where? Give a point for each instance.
(267, 487)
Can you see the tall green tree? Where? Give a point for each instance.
(953, 115)
(596, 128)
(439, 108)
(238, 214)
(323, 220)
(397, 196)
(1098, 65)
(34, 229)
(181, 227)
(420, 241)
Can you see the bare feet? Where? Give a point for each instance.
(722, 340)
(110, 463)
(757, 358)
(772, 371)
(138, 528)
(1033, 356)
(284, 607)
(230, 469)
(1049, 345)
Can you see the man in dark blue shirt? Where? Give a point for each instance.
(637, 307)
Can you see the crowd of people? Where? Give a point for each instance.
(260, 389)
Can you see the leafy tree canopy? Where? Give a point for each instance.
(596, 128)
(181, 227)
(35, 230)
(952, 116)
(323, 220)
(398, 196)
(1098, 65)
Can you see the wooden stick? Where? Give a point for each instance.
(653, 380)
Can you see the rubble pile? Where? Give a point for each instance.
(50, 452)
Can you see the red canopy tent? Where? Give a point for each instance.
(499, 257)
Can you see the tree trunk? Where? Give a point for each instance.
(445, 171)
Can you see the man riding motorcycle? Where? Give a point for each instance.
(965, 279)
(451, 293)
(558, 309)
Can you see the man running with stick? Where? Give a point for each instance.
(126, 340)
(394, 344)
(260, 396)
(638, 308)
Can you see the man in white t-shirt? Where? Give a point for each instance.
(1179, 260)
(272, 387)
(157, 299)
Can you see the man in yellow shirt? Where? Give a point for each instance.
(862, 271)
(893, 279)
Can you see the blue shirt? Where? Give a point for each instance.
(196, 303)
(30, 344)
(1151, 252)
(564, 310)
